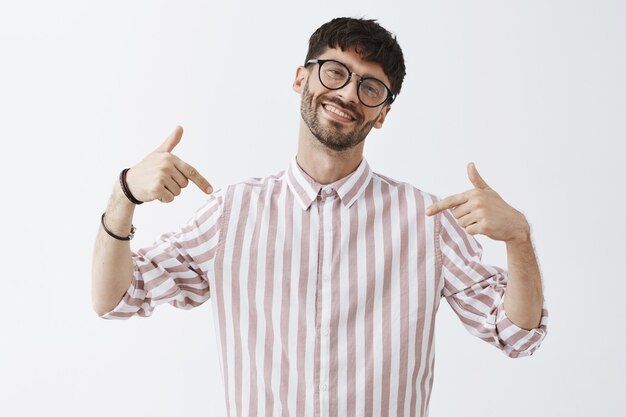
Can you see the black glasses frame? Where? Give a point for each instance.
(390, 96)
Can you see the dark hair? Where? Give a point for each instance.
(372, 42)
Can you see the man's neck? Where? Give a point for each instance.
(325, 165)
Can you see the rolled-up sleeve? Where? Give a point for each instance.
(176, 267)
(476, 292)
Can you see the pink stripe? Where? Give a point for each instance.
(297, 180)
(353, 277)
(433, 245)
(460, 301)
(284, 318)
(318, 301)
(421, 306)
(269, 300)
(430, 364)
(302, 323)
(404, 300)
(252, 305)
(469, 264)
(218, 293)
(387, 264)
(352, 193)
(458, 231)
(370, 273)
(242, 218)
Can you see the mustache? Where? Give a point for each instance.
(347, 106)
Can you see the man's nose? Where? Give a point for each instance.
(349, 92)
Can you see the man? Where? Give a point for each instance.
(326, 277)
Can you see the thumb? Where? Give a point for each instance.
(475, 177)
(172, 140)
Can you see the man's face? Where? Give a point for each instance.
(337, 118)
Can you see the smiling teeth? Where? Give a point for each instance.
(337, 111)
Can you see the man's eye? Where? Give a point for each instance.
(371, 91)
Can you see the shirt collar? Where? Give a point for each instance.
(306, 189)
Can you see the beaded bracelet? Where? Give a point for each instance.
(113, 235)
(125, 188)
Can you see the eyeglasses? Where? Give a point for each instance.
(335, 75)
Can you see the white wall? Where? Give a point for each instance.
(533, 91)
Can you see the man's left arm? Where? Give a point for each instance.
(523, 302)
(482, 211)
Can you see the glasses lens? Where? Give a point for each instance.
(372, 92)
(333, 74)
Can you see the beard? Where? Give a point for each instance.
(331, 135)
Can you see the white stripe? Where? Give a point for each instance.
(356, 175)
(485, 310)
(210, 271)
(326, 296)
(456, 236)
(203, 248)
(227, 292)
(245, 307)
(362, 281)
(304, 184)
(310, 309)
(218, 341)
(479, 322)
(413, 296)
(432, 298)
(473, 275)
(344, 296)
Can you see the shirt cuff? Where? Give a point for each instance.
(518, 342)
(131, 302)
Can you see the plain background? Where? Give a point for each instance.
(533, 91)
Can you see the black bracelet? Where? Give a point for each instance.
(125, 188)
(113, 235)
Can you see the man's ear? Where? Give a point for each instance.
(381, 116)
(300, 80)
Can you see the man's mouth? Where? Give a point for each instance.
(337, 114)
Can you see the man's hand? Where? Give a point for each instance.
(482, 211)
(162, 175)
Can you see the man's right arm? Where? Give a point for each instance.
(112, 269)
(160, 176)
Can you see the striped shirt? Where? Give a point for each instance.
(324, 296)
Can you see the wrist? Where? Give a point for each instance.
(521, 233)
(119, 212)
(126, 189)
(119, 199)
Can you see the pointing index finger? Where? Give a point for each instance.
(193, 175)
(446, 203)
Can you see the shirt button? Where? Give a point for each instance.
(325, 331)
(323, 387)
(328, 191)
(326, 277)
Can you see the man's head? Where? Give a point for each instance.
(371, 41)
(353, 70)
